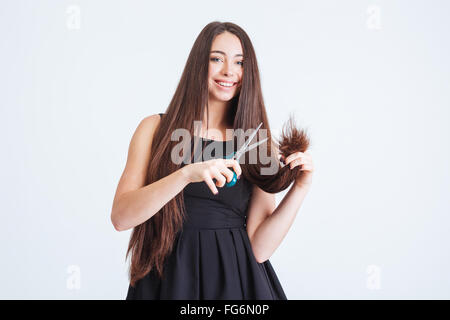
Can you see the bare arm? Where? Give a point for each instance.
(267, 224)
(136, 207)
(271, 227)
(135, 203)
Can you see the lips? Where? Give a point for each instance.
(231, 82)
(226, 81)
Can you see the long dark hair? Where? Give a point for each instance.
(152, 240)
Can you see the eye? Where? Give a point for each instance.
(214, 59)
(241, 62)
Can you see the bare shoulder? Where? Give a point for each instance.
(134, 174)
(140, 144)
(149, 123)
(143, 136)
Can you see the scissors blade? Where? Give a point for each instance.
(243, 148)
(256, 144)
(250, 148)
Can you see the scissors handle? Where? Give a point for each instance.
(243, 149)
(234, 179)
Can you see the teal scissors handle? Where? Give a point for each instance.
(234, 179)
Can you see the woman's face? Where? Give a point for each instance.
(225, 65)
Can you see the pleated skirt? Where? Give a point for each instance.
(211, 264)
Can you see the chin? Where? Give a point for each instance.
(224, 99)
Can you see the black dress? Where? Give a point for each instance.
(212, 258)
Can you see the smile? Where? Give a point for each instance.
(225, 85)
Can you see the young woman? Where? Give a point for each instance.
(192, 237)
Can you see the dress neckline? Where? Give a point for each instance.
(223, 141)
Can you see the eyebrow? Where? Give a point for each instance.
(218, 51)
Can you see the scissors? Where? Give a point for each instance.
(236, 155)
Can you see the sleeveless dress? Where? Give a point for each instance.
(212, 258)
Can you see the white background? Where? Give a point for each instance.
(369, 79)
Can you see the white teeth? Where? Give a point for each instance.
(226, 84)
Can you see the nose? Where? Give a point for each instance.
(227, 69)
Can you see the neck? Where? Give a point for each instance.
(218, 120)
(218, 115)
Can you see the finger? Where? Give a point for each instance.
(220, 179)
(227, 173)
(302, 161)
(211, 184)
(297, 162)
(294, 156)
(235, 164)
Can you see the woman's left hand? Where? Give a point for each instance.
(303, 159)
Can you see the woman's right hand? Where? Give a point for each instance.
(212, 169)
